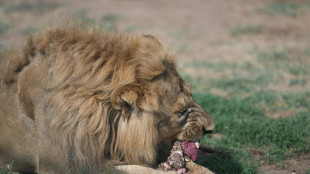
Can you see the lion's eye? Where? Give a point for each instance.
(183, 112)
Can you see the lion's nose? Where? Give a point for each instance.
(209, 125)
(207, 131)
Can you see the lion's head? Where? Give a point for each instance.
(114, 97)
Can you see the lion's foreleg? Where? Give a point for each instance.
(136, 169)
(197, 169)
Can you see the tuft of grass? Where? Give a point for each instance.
(109, 22)
(182, 31)
(4, 27)
(288, 8)
(237, 79)
(274, 55)
(36, 6)
(298, 81)
(299, 69)
(28, 30)
(216, 66)
(3, 171)
(296, 64)
(81, 17)
(307, 171)
(9, 169)
(2, 48)
(240, 84)
(245, 29)
(178, 47)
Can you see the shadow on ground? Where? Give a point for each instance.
(226, 162)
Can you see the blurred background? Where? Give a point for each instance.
(248, 62)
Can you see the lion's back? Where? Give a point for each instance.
(17, 138)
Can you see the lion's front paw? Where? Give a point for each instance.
(197, 169)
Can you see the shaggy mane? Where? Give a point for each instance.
(86, 67)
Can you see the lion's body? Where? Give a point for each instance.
(17, 134)
(82, 100)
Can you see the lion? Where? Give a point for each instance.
(81, 100)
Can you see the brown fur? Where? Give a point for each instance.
(96, 98)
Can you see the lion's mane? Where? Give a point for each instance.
(87, 68)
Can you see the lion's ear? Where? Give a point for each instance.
(125, 99)
(150, 39)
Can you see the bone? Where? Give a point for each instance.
(181, 153)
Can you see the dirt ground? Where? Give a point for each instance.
(199, 30)
(291, 166)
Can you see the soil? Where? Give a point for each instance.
(291, 166)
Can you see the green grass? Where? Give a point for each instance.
(8, 170)
(295, 63)
(258, 125)
(277, 67)
(109, 22)
(292, 9)
(245, 29)
(275, 55)
(35, 6)
(2, 48)
(230, 162)
(236, 79)
(28, 30)
(217, 66)
(298, 81)
(244, 126)
(3, 171)
(182, 31)
(80, 16)
(240, 84)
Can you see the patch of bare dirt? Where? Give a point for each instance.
(216, 136)
(220, 92)
(289, 88)
(297, 166)
(281, 114)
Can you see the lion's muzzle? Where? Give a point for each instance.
(209, 124)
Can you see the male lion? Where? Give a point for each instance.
(80, 101)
